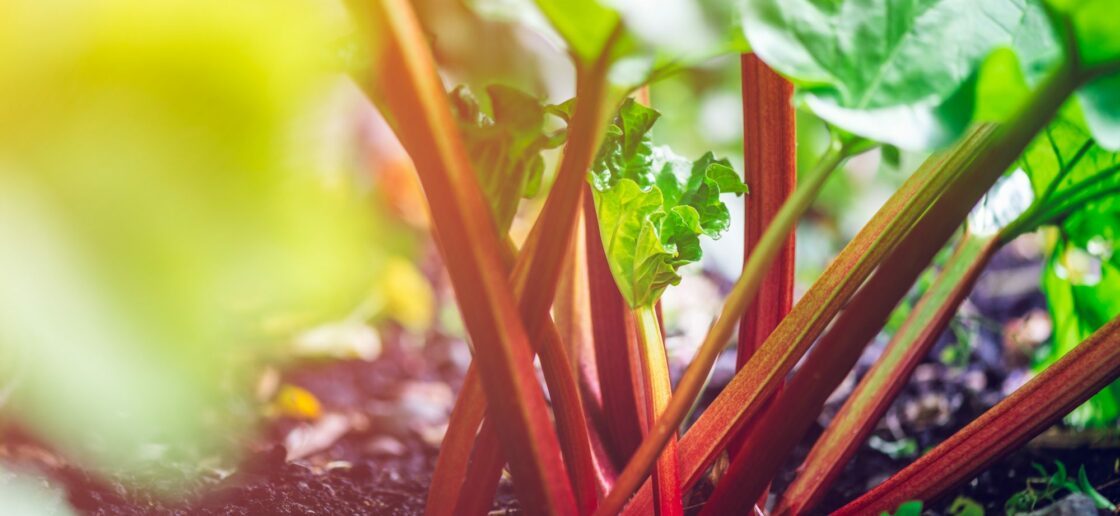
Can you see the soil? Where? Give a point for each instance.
(393, 410)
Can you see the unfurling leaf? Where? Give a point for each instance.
(505, 146)
(653, 205)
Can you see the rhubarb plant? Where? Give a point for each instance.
(653, 207)
(913, 76)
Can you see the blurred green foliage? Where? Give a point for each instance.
(160, 216)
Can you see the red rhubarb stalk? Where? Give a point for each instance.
(455, 451)
(742, 293)
(874, 394)
(1029, 411)
(573, 318)
(408, 88)
(769, 441)
(616, 349)
(616, 341)
(536, 273)
(655, 366)
(770, 167)
(735, 403)
(572, 311)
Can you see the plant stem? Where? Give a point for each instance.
(535, 278)
(616, 348)
(408, 89)
(874, 394)
(573, 319)
(1029, 411)
(770, 156)
(455, 451)
(770, 168)
(742, 294)
(616, 340)
(737, 402)
(655, 365)
(769, 442)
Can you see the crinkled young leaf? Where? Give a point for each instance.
(896, 72)
(628, 218)
(653, 205)
(505, 148)
(627, 150)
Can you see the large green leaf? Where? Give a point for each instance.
(1070, 172)
(1009, 73)
(1080, 281)
(585, 25)
(505, 147)
(653, 205)
(1096, 32)
(651, 40)
(1100, 101)
(1076, 185)
(895, 72)
(1096, 28)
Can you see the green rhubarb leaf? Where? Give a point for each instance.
(653, 206)
(1100, 102)
(1009, 73)
(1096, 28)
(505, 147)
(627, 150)
(1080, 279)
(1076, 185)
(585, 25)
(1070, 172)
(896, 72)
(1096, 34)
(640, 42)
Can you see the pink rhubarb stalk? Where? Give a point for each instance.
(769, 442)
(875, 392)
(408, 88)
(1029, 411)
